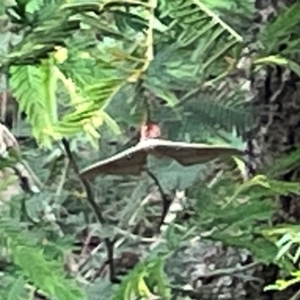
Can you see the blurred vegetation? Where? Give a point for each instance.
(77, 80)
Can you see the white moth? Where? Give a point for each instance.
(133, 161)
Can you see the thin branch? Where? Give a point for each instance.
(166, 201)
(229, 271)
(86, 185)
(63, 177)
(296, 296)
(88, 259)
(110, 260)
(91, 199)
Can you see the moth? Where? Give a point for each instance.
(133, 161)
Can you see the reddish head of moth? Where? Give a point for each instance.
(150, 131)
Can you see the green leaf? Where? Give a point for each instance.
(47, 275)
(34, 89)
(17, 290)
(33, 5)
(281, 61)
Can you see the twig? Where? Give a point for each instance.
(228, 271)
(88, 189)
(91, 199)
(36, 291)
(3, 104)
(86, 243)
(110, 260)
(91, 255)
(63, 177)
(166, 201)
(296, 296)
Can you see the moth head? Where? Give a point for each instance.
(150, 131)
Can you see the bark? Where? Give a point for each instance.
(276, 132)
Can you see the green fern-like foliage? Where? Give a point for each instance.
(281, 36)
(36, 90)
(204, 110)
(193, 15)
(232, 11)
(197, 55)
(232, 222)
(27, 260)
(177, 72)
(79, 65)
(240, 214)
(146, 280)
(34, 266)
(31, 85)
(96, 74)
(279, 40)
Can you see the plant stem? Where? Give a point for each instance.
(86, 185)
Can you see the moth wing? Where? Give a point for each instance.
(127, 162)
(188, 154)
